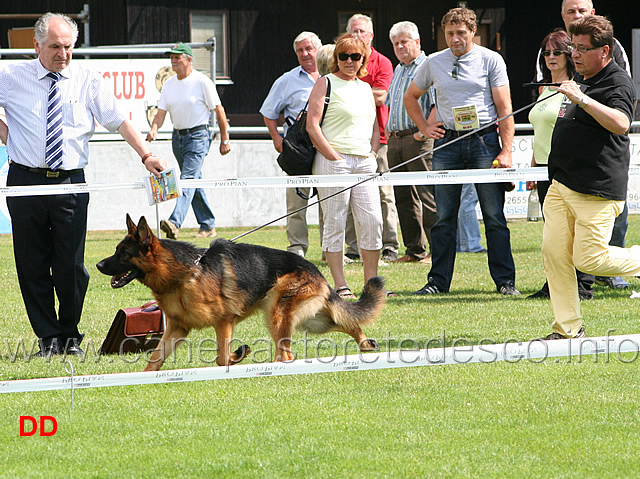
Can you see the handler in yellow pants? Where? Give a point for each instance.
(576, 234)
(589, 172)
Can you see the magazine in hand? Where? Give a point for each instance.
(164, 187)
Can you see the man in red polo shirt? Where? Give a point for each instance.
(379, 74)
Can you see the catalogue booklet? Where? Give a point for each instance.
(164, 187)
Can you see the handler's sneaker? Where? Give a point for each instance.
(208, 234)
(614, 282)
(428, 288)
(554, 335)
(169, 229)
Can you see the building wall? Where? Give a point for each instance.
(261, 32)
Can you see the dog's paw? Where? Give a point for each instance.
(240, 353)
(369, 345)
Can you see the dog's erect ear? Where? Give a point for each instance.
(131, 226)
(144, 232)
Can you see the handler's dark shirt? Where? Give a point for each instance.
(585, 156)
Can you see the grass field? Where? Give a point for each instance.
(557, 418)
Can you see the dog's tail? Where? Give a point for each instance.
(342, 315)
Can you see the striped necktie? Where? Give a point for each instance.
(53, 152)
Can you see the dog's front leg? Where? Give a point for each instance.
(170, 340)
(224, 335)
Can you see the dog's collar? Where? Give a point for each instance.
(197, 261)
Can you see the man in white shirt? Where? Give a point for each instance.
(49, 231)
(190, 96)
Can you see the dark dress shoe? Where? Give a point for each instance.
(74, 350)
(47, 351)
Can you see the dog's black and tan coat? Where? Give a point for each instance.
(222, 285)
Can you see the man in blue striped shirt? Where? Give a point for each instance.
(49, 231)
(415, 204)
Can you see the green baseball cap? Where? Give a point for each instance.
(181, 48)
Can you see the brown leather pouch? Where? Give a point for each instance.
(134, 330)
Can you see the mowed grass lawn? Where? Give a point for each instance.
(557, 418)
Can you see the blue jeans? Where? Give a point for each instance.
(468, 237)
(620, 228)
(476, 151)
(190, 151)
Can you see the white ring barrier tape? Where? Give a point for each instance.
(441, 177)
(493, 175)
(534, 351)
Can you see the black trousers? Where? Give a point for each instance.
(48, 243)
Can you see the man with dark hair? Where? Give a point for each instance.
(574, 10)
(589, 172)
(471, 83)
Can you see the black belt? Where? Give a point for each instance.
(188, 131)
(456, 133)
(48, 172)
(459, 133)
(400, 134)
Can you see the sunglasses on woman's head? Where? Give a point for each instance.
(556, 53)
(354, 56)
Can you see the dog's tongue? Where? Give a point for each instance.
(116, 280)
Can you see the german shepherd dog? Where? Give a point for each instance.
(222, 285)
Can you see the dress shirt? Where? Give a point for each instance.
(86, 99)
(288, 95)
(399, 119)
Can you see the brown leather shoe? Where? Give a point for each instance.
(407, 258)
(426, 259)
(169, 229)
(206, 233)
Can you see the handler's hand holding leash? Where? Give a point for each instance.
(572, 91)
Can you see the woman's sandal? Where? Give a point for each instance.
(345, 293)
(391, 294)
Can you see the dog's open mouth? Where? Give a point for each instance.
(120, 280)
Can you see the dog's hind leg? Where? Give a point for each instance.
(281, 330)
(364, 343)
(170, 340)
(224, 335)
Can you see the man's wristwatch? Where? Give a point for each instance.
(584, 102)
(225, 142)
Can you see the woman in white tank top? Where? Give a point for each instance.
(346, 142)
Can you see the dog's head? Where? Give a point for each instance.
(129, 260)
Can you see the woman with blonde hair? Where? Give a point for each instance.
(347, 143)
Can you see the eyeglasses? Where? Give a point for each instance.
(343, 57)
(556, 53)
(573, 48)
(455, 71)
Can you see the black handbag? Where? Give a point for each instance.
(298, 151)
